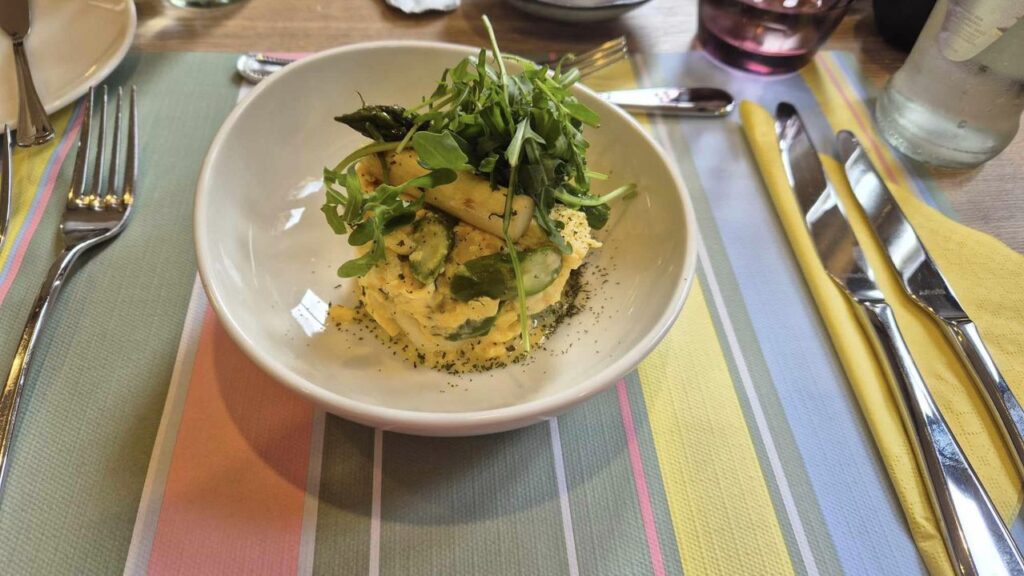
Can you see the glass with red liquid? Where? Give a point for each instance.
(767, 36)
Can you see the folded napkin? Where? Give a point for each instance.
(987, 277)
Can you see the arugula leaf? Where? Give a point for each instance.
(581, 112)
(370, 217)
(334, 220)
(359, 266)
(437, 151)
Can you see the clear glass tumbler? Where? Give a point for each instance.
(957, 100)
(767, 36)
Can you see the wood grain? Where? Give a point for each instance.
(988, 198)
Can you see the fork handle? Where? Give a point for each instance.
(975, 536)
(1001, 401)
(33, 124)
(11, 393)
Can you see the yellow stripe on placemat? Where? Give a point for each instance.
(29, 166)
(721, 509)
(984, 272)
(722, 513)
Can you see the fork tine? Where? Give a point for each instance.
(114, 171)
(609, 47)
(602, 64)
(604, 55)
(80, 173)
(131, 168)
(93, 197)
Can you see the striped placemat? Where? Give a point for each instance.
(149, 444)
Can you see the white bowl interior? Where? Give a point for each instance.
(268, 259)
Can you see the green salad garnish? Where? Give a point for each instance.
(520, 131)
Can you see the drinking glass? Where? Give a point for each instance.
(767, 36)
(957, 100)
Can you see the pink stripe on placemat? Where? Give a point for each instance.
(234, 496)
(42, 198)
(643, 494)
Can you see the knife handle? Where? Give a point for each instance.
(976, 538)
(967, 340)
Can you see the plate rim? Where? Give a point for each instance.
(98, 75)
(438, 423)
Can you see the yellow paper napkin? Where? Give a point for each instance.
(987, 277)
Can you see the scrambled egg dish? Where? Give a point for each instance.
(441, 292)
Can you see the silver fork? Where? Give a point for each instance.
(92, 216)
(6, 181)
(255, 66)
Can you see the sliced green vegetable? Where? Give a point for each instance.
(493, 276)
(540, 268)
(472, 329)
(433, 239)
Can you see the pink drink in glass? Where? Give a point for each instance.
(767, 36)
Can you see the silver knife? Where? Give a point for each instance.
(923, 281)
(975, 536)
(704, 102)
(6, 182)
(33, 124)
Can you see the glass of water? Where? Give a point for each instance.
(957, 100)
(767, 36)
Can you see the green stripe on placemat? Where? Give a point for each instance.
(343, 514)
(92, 404)
(480, 505)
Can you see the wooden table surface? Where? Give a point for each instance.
(987, 198)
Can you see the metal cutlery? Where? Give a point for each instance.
(33, 124)
(92, 216)
(924, 282)
(975, 536)
(700, 102)
(6, 182)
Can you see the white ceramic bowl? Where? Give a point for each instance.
(268, 259)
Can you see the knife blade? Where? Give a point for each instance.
(975, 536)
(924, 283)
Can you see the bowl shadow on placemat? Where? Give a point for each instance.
(429, 481)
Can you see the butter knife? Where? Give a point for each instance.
(923, 281)
(703, 102)
(975, 536)
(33, 124)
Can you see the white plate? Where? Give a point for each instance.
(268, 259)
(72, 45)
(577, 11)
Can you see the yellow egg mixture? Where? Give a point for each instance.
(418, 317)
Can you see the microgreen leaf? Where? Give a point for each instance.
(581, 112)
(437, 151)
(358, 266)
